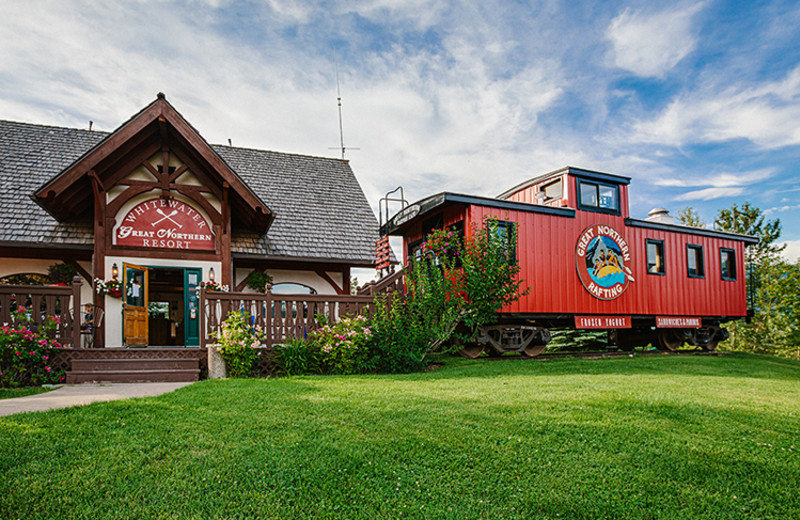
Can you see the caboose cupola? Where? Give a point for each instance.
(575, 188)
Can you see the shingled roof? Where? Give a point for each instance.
(321, 212)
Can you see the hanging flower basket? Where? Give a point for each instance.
(213, 287)
(111, 287)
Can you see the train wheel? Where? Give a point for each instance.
(711, 346)
(621, 340)
(534, 349)
(472, 350)
(669, 340)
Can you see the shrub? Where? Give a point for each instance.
(399, 341)
(297, 357)
(237, 341)
(25, 354)
(342, 345)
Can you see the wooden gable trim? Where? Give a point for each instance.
(119, 144)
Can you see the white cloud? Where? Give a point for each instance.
(651, 44)
(718, 180)
(766, 114)
(792, 251)
(711, 193)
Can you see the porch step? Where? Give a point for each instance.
(133, 370)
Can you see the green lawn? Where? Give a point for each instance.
(8, 393)
(643, 437)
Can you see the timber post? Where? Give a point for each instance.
(76, 311)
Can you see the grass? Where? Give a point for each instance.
(643, 437)
(9, 393)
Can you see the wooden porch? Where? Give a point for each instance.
(280, 316)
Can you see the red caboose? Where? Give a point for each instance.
(591, 266)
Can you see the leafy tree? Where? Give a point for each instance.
(688, 216)
(451, 284)
(773, 283)
(750, 220)
(775, 327)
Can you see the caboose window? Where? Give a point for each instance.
(595, 196)
(727, 263)
(655, 256)
(694, 261)
(505, 230)
(553, 191)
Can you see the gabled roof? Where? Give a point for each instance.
(66, 194)
(320, 212)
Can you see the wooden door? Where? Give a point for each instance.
(134, 313)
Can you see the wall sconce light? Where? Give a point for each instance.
(114, 271)
(211, 274)
(540, 196)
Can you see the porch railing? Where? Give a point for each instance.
(41, 301)
(281, 316)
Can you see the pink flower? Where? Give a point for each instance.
(47, 368)
(45, 358)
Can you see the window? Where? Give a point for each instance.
(505, 230)
(655, 256)
(727, 263)
(694, 261)
(553, 191)
(598, 197)
(415, 251)
(292, 288)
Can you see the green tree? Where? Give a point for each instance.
(688, 216)
(773, 283)
(451, 284)
(750, 220)
(775, 327)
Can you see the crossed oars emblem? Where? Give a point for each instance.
(174, 212)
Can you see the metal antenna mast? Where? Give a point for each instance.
(339, 103)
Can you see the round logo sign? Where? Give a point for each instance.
(602, 258)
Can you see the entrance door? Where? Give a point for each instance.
(134, 309)
(191, 319)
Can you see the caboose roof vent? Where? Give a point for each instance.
(660, 215)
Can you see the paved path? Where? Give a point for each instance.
(75, 395)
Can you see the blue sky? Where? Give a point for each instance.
(698, 102)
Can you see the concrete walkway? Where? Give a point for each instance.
(75, 395)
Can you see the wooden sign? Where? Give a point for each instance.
(383, 255)
(602, 322)
(678, 322)
(165, 224)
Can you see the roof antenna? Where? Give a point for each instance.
(339, 102)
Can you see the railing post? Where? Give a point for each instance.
(201, 304)
(268, 317)
(76, 312)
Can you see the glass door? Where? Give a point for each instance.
(191, 308)
(134, 307)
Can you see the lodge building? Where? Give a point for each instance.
(156, 207)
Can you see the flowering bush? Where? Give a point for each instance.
(111, 287)
(237, 341)
(25, 355)
(342, 345)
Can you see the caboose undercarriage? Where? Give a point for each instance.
(529, 335)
